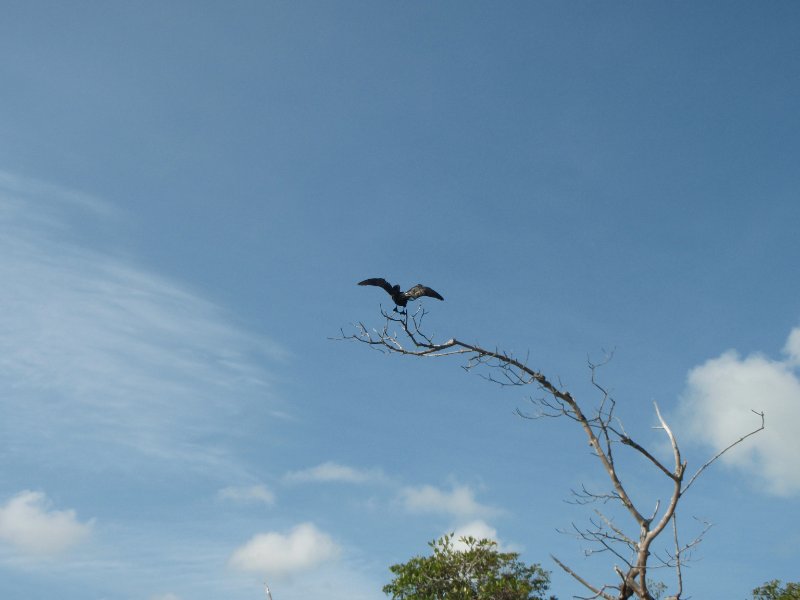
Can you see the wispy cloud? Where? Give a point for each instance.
(97, 350)
(32, 192)
(716, 408)
(255, 493)
(276, 554)
(459, 501)
(334, 472)
(28, 522)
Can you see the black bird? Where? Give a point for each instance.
(402, 298)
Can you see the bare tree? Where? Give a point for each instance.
(402, 333)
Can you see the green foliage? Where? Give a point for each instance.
(772, 590)
(479, 572)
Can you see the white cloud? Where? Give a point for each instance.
(97, 351)
(277, 555)
(477, 529)
(792, 347)
(459, 501)
(28, 523)
(716, 409)
(255, 493)
(339, 580)
(333, 472)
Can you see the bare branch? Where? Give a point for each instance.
(724, 450)
(678, 565)
(598, 592)
(610, 524)
(624, 439)
(679, 467)
(402, 334)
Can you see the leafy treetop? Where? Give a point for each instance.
(477, 572)
(772, 590)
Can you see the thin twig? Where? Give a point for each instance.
(724, 450)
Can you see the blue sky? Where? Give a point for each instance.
(189, 192)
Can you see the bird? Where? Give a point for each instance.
(402, 298)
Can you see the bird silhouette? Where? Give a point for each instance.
(402, 298)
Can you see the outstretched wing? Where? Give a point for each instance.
(421, 290)
(379, 281)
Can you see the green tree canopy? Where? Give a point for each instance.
(478, 572)
(773, 590)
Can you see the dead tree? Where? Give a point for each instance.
(401, 333)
